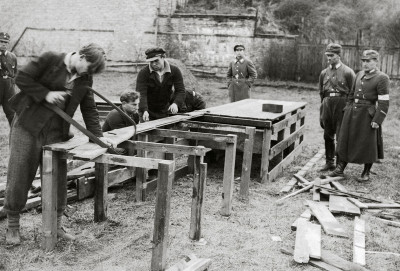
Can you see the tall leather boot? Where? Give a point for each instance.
(329, 156)
(13, 236)
(61, 232)
(338, 172)
(365, 173)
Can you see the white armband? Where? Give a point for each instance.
(383, 97)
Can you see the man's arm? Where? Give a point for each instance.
(27, 78)
(229, 74)
(90, 114)
(141, 87)
(321, 85)
(179, 87)
(383, 99)
(349, 77)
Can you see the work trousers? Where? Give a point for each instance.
(25, 158)
(7, 90)
(331, 115)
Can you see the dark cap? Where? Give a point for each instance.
(370, 54)
(154, 53)
(333, 48)
(4, 36)
(238, 46)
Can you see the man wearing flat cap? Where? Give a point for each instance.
(360, 138)
(241, 75)
(155, 83)
(8, 70)
(334, 85)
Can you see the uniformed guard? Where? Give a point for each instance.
(8, 70)
(360, 138)
(241, 75)
(334, 85)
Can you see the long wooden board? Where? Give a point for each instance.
(326, 219)
(359, 241)
(338, 204)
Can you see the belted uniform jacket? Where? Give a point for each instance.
(49, 73)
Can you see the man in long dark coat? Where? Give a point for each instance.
(360, 138)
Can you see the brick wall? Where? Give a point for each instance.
(125, 22)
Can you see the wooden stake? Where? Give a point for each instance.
(141, 173)
(199, 178)
(228, 182)
(100, 192)
(246, 166)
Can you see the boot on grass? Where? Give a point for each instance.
(62, 233)
(13, 236)
(338, 172)
(365, 174)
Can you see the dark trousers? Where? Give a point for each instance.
(6, 92)
(331, 115)
(25, 158)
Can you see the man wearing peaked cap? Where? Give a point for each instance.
(334, 85)
(8, 71)
(241, 75)
(360, 138)
(155, 83)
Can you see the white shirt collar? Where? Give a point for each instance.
(5, 52)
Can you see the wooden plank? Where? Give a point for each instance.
(169, 148)
(328, 222)
(339, 204)
(306, 215)
(128, 161)
(286, 142)
(166, 171)
(214, 126)
(265, 155)
(285, 162)
(276, 127)
(84, 170)
(359, 241)
(236, 121)
(332, 259)
(52, 169)
(316, 194)
(191, 263)
(246, 165)
(192, 135)
(382, 205)
(313, 237)
(339, 186)
(199, 179)
(358, 203)
(229, 176)
(141, 172)
(100, 192)
(316, 263)
(390, 223)
(301, 248)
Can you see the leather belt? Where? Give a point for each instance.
(359, 101)
(334, 94)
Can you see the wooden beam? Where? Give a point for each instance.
(128, 161)
(141, 172)
(236, 121)
(229, 176)
(169, 148)
(199, 179)
(359, 241)
(100, 192)
(166, 171)
(358, 203)
(301, 248)
(246, 164)
(266, 145)
(50, 171)
(192, 135)
(383, 205)
(276, 127)
(215, 126)
(279, 147)
(338, 204)
(326, 219)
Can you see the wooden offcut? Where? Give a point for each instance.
(339, 204)
(359, 241)
(272, 108)
(301, 247)
(328, 222)
(191, 263)
(306, 215)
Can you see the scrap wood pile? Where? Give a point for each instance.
(81, 185)
(329, 197)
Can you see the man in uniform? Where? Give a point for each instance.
(241, 75)
(360, 138)
(8, 70)
(63, 80)
(155, 82)
(334, 85)
(130, 103)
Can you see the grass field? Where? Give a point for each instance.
(239, 242)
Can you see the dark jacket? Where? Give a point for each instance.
(49, 73)
(155, 96)
(368, 102)
(115, 120)
(8, 67)
(193, 101)
(338, 80)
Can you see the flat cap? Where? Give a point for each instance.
(238, 46)
(154, 53)
(333, 48)
(370, 54)
(4, 36)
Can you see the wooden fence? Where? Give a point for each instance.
(304, 62)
